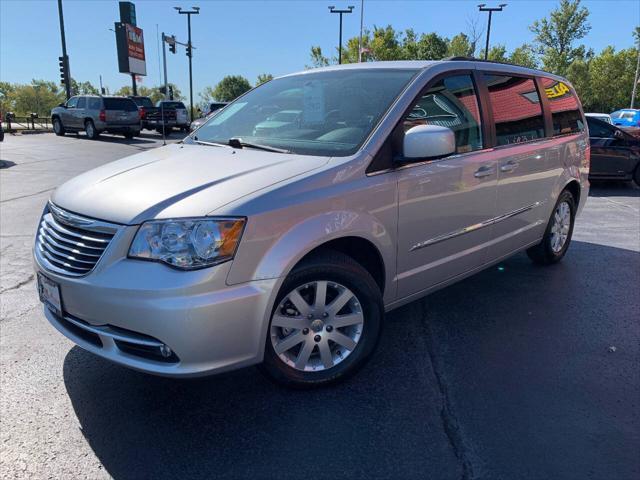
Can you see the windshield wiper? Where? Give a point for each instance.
(239, 143)
(211, 144)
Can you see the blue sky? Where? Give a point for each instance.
(251, 37)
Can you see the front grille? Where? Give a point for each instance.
(69, 244)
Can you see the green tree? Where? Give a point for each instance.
(611, 76)
(40, 96)
(432, 46)
(524, 56)
(263, 78)
(317, 58)
(83, 88)
(153, 93)
(229, 88)
(555, 37)
(460, 46)
(497, 53)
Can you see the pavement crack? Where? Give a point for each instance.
(28, 195)
(19, 284)
(450, 422)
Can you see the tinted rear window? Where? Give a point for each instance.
(173, 105)
(516, 108)
(563, 103)
(143, 101)
(120, 104)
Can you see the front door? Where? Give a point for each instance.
(610, 151)
(444, 204)
(68, 113)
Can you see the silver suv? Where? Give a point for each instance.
(231, 248)
(95, 115)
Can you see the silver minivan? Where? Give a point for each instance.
(393, 180)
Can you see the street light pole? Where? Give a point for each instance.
(483, 8)
(67, 83)
(333, 9)
(188, 13)
(361, 25)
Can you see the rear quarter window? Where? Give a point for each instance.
(120, 104)
(565, 110)
(94, 103)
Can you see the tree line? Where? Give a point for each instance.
(604, 81)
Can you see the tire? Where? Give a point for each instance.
(130, 135)
(343, 278)
(557, 236)
(58, 128)
(90, 130)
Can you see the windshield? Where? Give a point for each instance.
(328, 113)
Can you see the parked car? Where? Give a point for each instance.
(229, 249)
(626, 117)
(1, 131)
(615, 155)
(278, 123)
(182, 117)
(95, 115)
(213, 108)
(605, 117)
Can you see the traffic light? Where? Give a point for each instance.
(170, 92)
(64, 73)
(188, 50)
(172, 44)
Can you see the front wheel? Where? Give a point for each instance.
(58, 129)
(325, 324)
(557, 236)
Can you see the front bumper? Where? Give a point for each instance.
(209, 326)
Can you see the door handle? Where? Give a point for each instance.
(483, 171)
(510, 166)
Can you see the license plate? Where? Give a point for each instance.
(49, 292)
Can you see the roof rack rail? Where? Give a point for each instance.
(473, 59)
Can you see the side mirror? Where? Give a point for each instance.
(428, 141)
(62, 105)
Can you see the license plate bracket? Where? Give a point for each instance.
(49, 293)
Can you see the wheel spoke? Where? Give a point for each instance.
(288, 322)
(325, 354)
(321, 295)
(304, 354)
(346, 320)
(300, 303)
(340, 301)
(289, 342)
(342, 339)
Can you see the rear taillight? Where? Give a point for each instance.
(141, 112)
(103, 116)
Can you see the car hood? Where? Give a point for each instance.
(178, 180)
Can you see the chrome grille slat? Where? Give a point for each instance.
(56, 235)
(58, 245)
(70, 244)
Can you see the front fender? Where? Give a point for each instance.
(285, 251)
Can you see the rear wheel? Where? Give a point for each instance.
(325, 324)
(90, 130)
(58, 128)
(557, 236)
(130, 135)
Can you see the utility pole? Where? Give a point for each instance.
(361, 26)
(636, 78)
(166, 85)
(188, 13)
(65, 57)
(483, 8)
(333, 9)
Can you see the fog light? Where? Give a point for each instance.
(165, 351)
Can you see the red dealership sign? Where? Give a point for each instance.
(130, 43)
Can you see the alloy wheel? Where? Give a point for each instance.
(316, 326)
(560, 227)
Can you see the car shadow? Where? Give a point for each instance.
(604, 188)
(114, 138)
(387, 421)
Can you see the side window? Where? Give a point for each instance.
(82, 102)
(516, 108)
(599, 129)
(451, 102)
(72, 102)
(565, 111)
(94, 103)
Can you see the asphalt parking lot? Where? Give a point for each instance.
(519, 372)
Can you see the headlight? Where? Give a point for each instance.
(188, 243)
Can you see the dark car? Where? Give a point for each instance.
(615, 155)
(1, 131)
